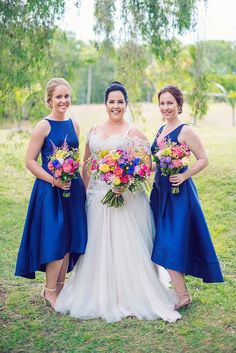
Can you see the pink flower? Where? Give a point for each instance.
(124, 179)
(67, 167)
(141, 173)
(50, 166)
(109, 160)
(70, 160)
(177, 151)
(144, 167)
(118, 171)
(107, 176)
(76, 165)
(177, 163)
(161, 144)
(58, 173)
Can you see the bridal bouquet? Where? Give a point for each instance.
(64, 163)
(122, 170)
(171, 157)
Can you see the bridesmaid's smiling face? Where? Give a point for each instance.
(168, 106)
(116, 105)
(60, 100)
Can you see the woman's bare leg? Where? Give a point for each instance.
(52, 272)
(178, 281)
(62, 274)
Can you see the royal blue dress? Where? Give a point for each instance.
(54, 225)
(182, 241)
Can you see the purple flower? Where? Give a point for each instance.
(168, 159)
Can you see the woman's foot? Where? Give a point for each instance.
(184, 301)
(60, 285)
(49, 296)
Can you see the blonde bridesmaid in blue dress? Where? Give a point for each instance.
(55, 231)
(182, 242)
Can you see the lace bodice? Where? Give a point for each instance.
(96, 142)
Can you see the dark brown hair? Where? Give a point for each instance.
(176, 92)
(116, 86)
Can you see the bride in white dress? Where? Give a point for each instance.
(115, 278)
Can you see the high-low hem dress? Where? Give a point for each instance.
(54, 225)
(182, 241)
(116, 278)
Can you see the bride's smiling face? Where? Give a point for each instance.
(116, 105)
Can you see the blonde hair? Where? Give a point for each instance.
(51, 85)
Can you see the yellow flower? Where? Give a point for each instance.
(104, 168)
(116, 155)
(102, 154)
(61, 154)
(116, 181)
(185, 161)
(166, 152)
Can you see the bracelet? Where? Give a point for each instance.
(53, 182)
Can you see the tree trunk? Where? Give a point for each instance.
(89, 87)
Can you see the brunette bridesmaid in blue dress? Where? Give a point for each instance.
(55, 231)
(182, 242)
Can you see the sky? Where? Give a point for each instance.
(216, 21)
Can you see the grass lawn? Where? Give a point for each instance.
(209, 325)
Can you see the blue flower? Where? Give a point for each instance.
(131, 169)
(56, 163)
(136, 161)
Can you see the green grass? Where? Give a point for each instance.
(208, 326)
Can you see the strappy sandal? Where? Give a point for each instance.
(184, 301)
(47, 302)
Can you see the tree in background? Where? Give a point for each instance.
(221, 57)
(198, 98)
(227, 85)
(155, 23)
(26, 28)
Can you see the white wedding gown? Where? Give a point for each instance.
(115, 278)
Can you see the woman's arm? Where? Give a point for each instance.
(77, 128)
(85, 168)
(191, 139)
(39, 133)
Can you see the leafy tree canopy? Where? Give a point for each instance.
(155, 22)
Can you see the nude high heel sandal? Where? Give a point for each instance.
(184, 301)
(47, 302)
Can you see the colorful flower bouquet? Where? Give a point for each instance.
(122, 170)
(171, 158)
(64, 163)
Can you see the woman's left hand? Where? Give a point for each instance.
(176, 179)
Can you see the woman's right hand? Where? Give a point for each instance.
(59, 184)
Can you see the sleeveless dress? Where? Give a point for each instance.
(54, 225)
(116, 278)
(182, 242)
